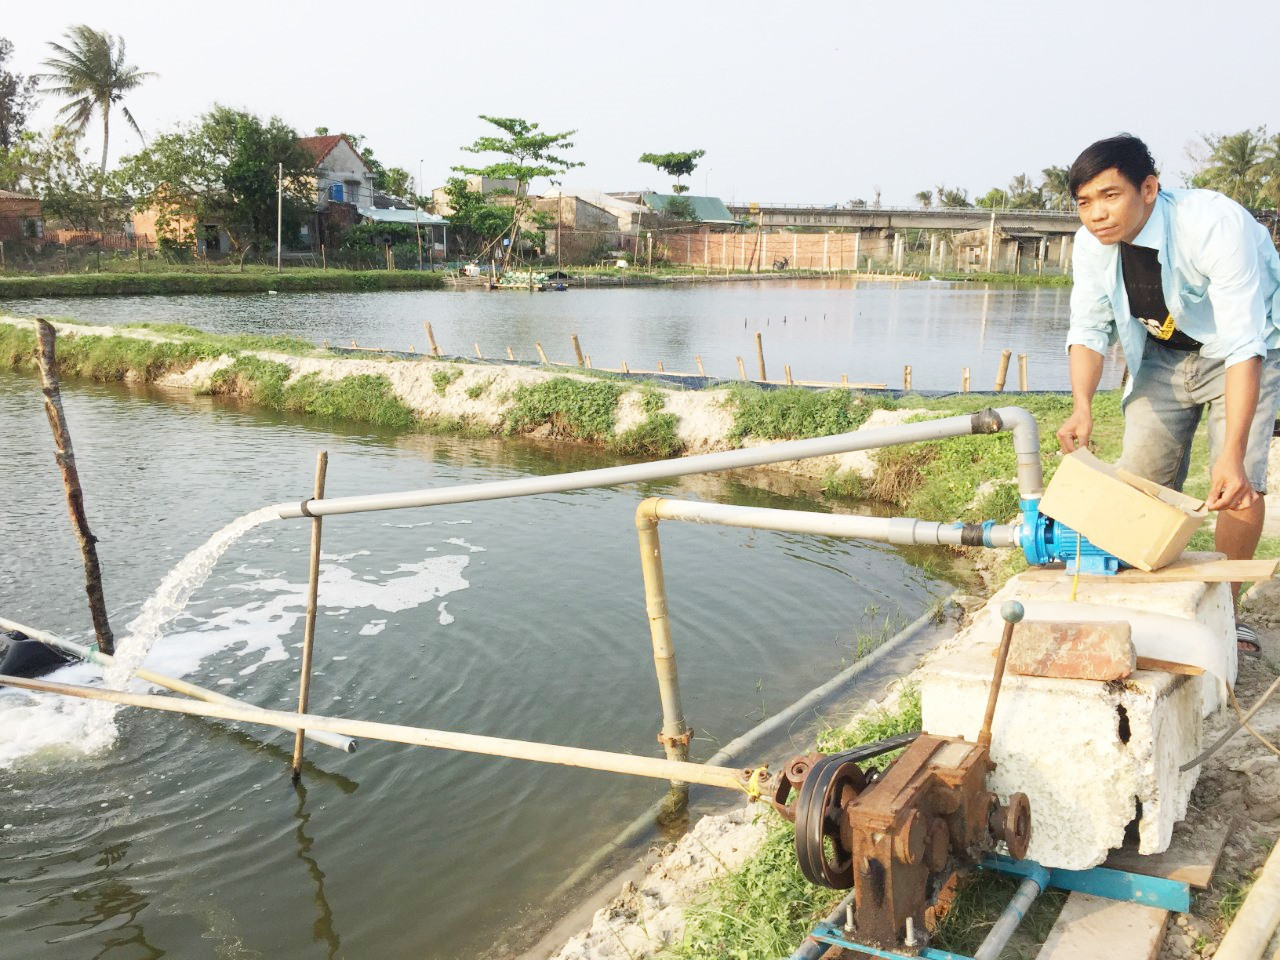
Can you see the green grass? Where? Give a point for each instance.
(1047, 280)
(574, 409)
(652, 399)
(260, 381)
(794, 413)
(178, 282)
(443, 377)
(654, 439)
(365, 398)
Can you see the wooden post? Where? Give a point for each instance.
(577, 348)
(786, 368)
(588, 361)
(760, 355)
(698, 361)
(541, 353)
(906, 377)
(431, 339)
(964, 379)
(1022, 372)
(844, 379)
(324, 264)
(411, 349)
(510, 355)
(625, 368)
(479, 355)
(1003, 373)
(66, 460)
(742, 370)
(309, 630)
(660, 368)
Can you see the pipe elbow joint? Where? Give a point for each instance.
(647, 512)
(987, 421)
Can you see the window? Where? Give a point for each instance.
(33, 228)
(335, 192)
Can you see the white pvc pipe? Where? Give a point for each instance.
(89, 655)
(1023, 425)
(884, 529)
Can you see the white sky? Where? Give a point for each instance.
(793, 102)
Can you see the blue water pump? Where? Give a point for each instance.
(1045, 540)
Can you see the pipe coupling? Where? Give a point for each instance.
(679, 739)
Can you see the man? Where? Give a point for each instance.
(1189, 282)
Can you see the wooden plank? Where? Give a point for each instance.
(1186, 567)
(1092, 927)
(1191, 858)
(1168, 666)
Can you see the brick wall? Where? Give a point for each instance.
(807, 251)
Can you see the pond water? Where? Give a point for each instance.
(519, 618)
(822, 329)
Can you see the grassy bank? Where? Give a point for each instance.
(179, 281)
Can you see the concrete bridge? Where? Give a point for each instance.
(806, 216)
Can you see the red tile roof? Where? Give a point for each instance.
(320, 147)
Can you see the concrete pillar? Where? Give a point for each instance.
(1064, 252)
(1044, 246)
(857, 250)
(933, 248)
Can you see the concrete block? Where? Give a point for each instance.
(1073, 650)
(1091, 756)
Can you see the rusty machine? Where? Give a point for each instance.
(898, 837)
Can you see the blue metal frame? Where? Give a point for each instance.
(1104, 882)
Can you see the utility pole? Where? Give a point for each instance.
(279, 212)
(417, 227)
(991, 237)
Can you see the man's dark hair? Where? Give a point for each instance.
(1125, 153)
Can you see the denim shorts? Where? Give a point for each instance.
(1170, 391)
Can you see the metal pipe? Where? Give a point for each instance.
(675, 735)
(89, 655)
(1251, 930)
(313, 596)
(1026, 444)
(1008, 921)
(901, 530)
(417, 736)
(811, 949)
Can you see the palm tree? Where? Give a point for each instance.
(925, 198)
(1236, 165)
(91, 71)
(1057, 188)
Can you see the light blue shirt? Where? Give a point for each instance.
(1219, 270)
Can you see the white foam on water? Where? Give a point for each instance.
(446, 618)
(459, 542)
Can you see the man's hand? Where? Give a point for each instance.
(1075, 431)
(1229, 488)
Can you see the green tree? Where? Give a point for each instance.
(474, 223)
(50, 166)
(223, 170)
(925, 198)
(527, 154)
(676, 165)
(1237, 165)
(91, 71)
(1056, 188)
(1024, 194)
(995, 198)
(17, 97)
(952, 197)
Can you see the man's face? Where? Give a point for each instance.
(1112, 208)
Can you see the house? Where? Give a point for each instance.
(21, 218)
(433, 229)
(708, 211)
(342, 176)
(498, 191)
(590, 221)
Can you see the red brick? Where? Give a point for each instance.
(1072, 650)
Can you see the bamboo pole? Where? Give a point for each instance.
(698, 361)
(588, 361)
(479, 355)
(309, 631)
(742, 370)
(605, 760)
(786, 368)
(964, 379)
(431, 339)
(66, 460)
(97, 658)
(542, 353)
(1022, 372)
(624, 367)
(844, 379)
(906, 377)
(660, 368)
(577, 349)
(760, 355)
(1003, 373)
(510, 355)
(1251, 930)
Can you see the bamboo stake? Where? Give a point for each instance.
(660, 369)
(411, 349)
(97, 658)
(1003, 373)
(542, 353)
(1022, 372)
(605, 760)
(510, 354)
(844, 379)
(760, 356)
(577, 348)
(66, 460)
(625, 369)
(906, 377)
(786, 368)
(479, 355)
(742, 370)
(588, 361)
(964, 379)
(698, 361)
(309, 631)
(431, 339)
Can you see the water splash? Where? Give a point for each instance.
(171, 597)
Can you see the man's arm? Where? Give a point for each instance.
(1229, 487)
(1086, 373)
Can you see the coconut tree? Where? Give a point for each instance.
(1057, 188)
(1235, 165)
(90, 70)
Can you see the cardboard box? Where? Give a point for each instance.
(1144, 524)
